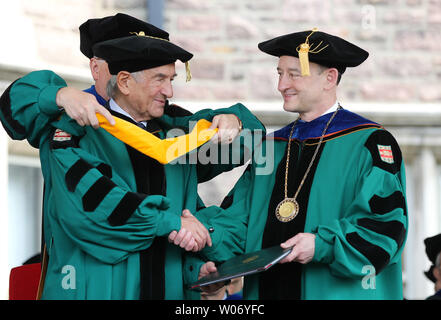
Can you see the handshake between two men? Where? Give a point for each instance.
(193, 236)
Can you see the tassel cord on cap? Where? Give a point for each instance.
(304, 49)
(187, 72)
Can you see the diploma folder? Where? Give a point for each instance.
(244, 265)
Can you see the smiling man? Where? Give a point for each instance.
(111, 208)
(143, 94)
(108, 207)
(305, 96)
(337, 191)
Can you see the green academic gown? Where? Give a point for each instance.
(108, 208)
(353, 200)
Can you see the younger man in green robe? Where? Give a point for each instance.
(336, 193)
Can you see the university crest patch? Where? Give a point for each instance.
(61, 135)
(63, 139)
(386, 154)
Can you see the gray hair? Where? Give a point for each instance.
(112, 89)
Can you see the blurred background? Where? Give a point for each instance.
(399, 86)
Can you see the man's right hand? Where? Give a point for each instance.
(82, 107)
(184, 239)
(193, 235)
(197, 229)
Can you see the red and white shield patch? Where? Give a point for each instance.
(61, 135)
(386, 154)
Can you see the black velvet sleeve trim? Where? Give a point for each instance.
(96, 193)
(5, 109)
(391, 229)
(105, 170)
(125, 208)
(381, 205)
(384, 138)
(377, 256)
(76, 173)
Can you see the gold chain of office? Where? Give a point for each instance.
(289, 208)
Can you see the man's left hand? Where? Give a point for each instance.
(212, 289)
(229, 127)
(303, 248)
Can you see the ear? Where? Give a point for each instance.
(331, 78)
(437, 273)
(123, 80)
(94, 68)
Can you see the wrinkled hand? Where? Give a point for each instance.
(82, 106)
(193, 235)
(212, 289)
(304, 248)
(228, 128)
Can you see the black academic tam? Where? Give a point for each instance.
(326, 49)
(139, 52)
(112, 27)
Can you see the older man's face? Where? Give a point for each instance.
(149, 92)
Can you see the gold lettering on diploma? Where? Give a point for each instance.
(248, 260)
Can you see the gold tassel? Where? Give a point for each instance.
(303, 51)
(187, 71)
(304, 59)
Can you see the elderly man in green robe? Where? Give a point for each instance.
(108, 207)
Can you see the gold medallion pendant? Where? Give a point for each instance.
(287, 210)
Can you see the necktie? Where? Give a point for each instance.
(141, 125)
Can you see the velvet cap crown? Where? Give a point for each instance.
(139, 52)
(120, 25)
(330, 51)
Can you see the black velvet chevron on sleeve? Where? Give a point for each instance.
(125, 208)
(76, 173)
(376, 255)
(380, 205)
(96, 193)
(79, 170)
(105, 170)
(392, 229)
(5, 109)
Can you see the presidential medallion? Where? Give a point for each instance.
(287, 210)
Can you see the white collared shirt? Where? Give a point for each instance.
(331, 109)
(115, 107)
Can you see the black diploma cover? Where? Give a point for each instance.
(244, 265)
